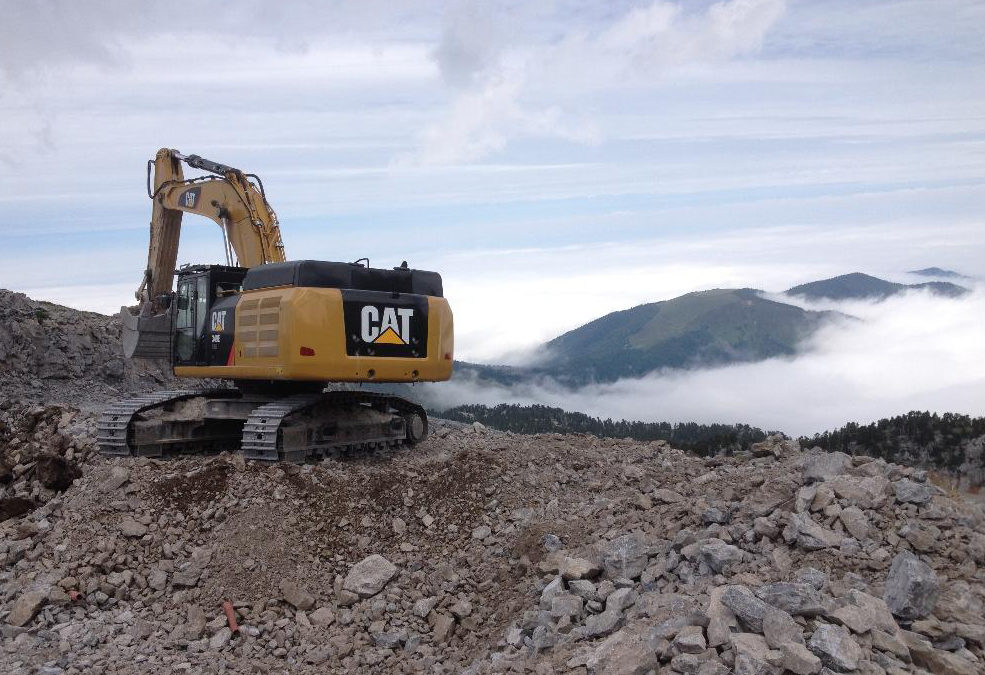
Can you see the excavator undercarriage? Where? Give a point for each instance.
(296, 428)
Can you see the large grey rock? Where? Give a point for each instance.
(799, 660)
(809, 534)
(296, 596)
(666, 496)
(826, 465)
(26, 608)
(324, 616)
(752, 654)
(721, 619)
(157, 579)
(424, 606)
(812, 576)
(602, 624)
(746, 606)
(872, 613)
(624, 557)
(922, 536)
(131, 528)
(937, 661)
(620, 599)
(623, 653)
(118, 475)
(779, 629)
(220, 639)
(690, 640)
(855, 522)
(187, 578)
(579, 568)
(865, 493)
(369, 576)
(718, 555)
(911, 587)
(910, 492)
(564, 604)
(551, 590)
(793, 598)
(195, 622)
(836, 648)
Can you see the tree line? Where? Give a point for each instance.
(703, 439)
(938, 440)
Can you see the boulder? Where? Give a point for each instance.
(746, 606)
(779, 629)
(624, 557)
(794, 598)
(369, 576)
(809, 535)
(855, 522)
(578, 568)
(799, 660)
(296, 596)
(937, 661)
(690, 640)
(911, 588)
(623, 653)
(836, 648)
(909, 492)
(826, 465)
(26, 608)
(131, 528)
(718, 555)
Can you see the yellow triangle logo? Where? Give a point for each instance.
(389, 337)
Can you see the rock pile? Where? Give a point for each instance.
(54, 353)
(485, 552)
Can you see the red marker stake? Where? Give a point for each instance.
(231, 616)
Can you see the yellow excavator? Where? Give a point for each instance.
(282, 331)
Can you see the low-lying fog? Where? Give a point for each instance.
(914, 351)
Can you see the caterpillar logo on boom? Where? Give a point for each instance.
(386, 325)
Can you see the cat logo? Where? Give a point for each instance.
(391, 326)
(189, 198)
(219, 321)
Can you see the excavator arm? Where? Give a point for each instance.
(231, 198)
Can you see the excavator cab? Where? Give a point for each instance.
(205, 303)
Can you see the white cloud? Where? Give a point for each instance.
(502, 100)
(911, 352)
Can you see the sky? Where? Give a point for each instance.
(555, 161)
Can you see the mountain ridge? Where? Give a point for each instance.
(860, 286)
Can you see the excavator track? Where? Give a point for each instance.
(115, 430)
(294, 428)
(313, 426)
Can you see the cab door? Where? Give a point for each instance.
(189, 324)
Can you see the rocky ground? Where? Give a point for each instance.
(481, 552)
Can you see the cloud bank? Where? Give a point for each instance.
(911, 352)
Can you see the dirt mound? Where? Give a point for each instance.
(480, 552)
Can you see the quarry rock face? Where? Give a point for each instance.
(595, 556)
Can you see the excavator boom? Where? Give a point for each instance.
(234, 200)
